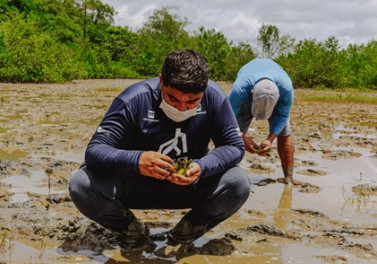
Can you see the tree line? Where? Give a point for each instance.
(62, 40)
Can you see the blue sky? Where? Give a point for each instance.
(350, 21)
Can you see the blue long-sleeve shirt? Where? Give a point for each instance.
(135, 123)
(253, 72)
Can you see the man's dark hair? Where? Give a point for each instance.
(185, 70)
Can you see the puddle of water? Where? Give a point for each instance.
(313, 255)
(33, 182)
(335, 198)
(341, 130)
(275, 252)
(82, 256)
(38, 252)
(336, 188)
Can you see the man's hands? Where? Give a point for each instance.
(191, 175)
(265, 147)
(160, 166)
(250, 145)
(156, 165)
(285, 149)
(253, 147)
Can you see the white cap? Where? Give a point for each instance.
(265, 96)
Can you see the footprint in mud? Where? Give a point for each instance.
(339, 241)
(340, 154)
(271, 230)
(334, 259)
(304, 187)
(312, 172)
(265, 181)
(259, 168)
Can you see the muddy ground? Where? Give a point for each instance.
(329, 214)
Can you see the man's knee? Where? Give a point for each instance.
(285, 142)
(80, 191)
(78, 183)
(239, 183)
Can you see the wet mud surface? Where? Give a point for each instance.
(328, 214)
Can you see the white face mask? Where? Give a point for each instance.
(174, 114)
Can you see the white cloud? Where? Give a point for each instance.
(136, 20)
(243, 28)
(350, 21)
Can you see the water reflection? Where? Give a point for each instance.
(34, 182)
(283, 209)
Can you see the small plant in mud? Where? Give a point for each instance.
(181, 166)
(42, 249)
(355, 197)
(5, 243)
(258, 149)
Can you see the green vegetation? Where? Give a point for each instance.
(62, 40)
(181, 166)
(343, 97)
(109, 89)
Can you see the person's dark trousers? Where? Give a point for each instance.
(106, 199)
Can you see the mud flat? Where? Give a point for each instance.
(329, 214)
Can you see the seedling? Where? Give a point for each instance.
(181, 166)
(258, 149)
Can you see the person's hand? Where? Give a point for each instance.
(192, 174)
(265, 147)
(156, 165)
(250, 145)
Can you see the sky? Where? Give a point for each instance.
(350, 21)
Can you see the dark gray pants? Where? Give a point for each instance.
(105, 199)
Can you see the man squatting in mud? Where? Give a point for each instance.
(129, 160)
(263, 90)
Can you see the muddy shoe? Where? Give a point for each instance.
(185, 232)
(135, 235)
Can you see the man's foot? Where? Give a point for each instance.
(286, 180)
(135, 235)
(186, 232)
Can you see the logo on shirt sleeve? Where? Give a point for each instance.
(103, 131)
(150, 116)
